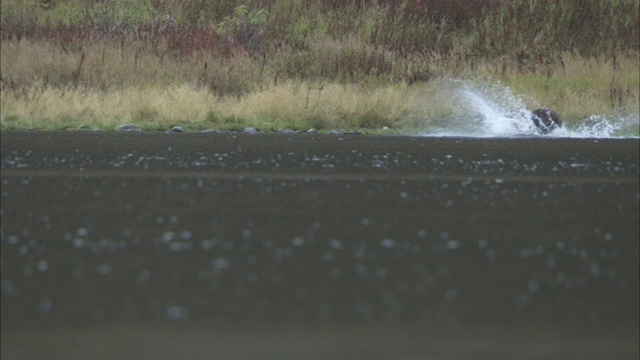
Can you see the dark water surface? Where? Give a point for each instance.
(272, 246)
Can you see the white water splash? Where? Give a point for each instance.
(492, 110)
(598, 126)
(498, 112)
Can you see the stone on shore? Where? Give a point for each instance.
(127, 127)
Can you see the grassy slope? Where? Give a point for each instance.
(277, 64)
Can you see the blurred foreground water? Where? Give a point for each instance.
(204, 246)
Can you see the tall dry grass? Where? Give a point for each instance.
(294, 105)
(276, 63)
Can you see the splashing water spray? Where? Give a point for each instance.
(498, 112)
(492, 110)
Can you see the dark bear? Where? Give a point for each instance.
(546, 120)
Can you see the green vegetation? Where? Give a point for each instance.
(300, 64)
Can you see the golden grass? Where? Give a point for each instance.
(296, 105)
(46, 87)
(583, 86)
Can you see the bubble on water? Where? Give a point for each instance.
(453, 244)
(104, 269)
(168, 236)
(252, 278)
(595, 270)
(364, 310)
(575, 251)
(159, 220)
(207, 244)
(8, 288)
(228, 245)
(525, 253)
(381, 273)
(444, 235)
(220, 263)
(298, 241)
(180, 246)
(416, 249)
(42, 265)
(185, 235)
(336, 244)
(278, 255)
(561, 278)
(362, 270)
(422, 233)
(23, 250)
(451, 294)
(388, 243)
(482, 243)
(404, 195)
(82, 232)
(328, 257)
(176, 312)
(608, 236)
(490, 254)
(78, 243)
(46, 305)
(12, 239)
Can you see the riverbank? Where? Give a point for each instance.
(302, 65)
